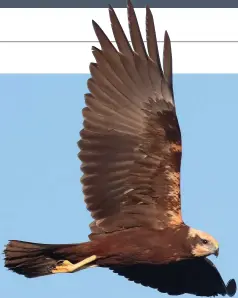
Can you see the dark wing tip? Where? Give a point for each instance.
(95, 24)
(111, 9)
(112, 12)
(166, 35)
(231, 287)
(129, 4)
(148, 13)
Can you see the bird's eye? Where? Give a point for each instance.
(204, 241)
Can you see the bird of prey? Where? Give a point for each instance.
(130, 149)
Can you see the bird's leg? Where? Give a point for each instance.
(67, 267)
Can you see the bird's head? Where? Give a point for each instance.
(202, 243)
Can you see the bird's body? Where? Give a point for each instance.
(131, 149)
(142, 245)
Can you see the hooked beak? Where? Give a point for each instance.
(216, 253)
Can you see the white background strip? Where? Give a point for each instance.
(75, 25)
(75, 58)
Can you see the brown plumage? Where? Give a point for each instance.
(131, 149)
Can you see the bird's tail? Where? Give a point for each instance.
(35, 259)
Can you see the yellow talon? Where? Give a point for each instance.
(65, 267)
(68, 267)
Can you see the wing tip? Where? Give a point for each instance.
(112, 14)
(111, 9)
(166, 36)
(148, 11)
(97, 28)
(94, 24)
(130, 7)
(231, 287)
(129, 3)
(149, 15)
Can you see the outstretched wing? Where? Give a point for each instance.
(130, 145)
(197, 276)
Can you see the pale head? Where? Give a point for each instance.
(202, 243)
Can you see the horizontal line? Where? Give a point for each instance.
(93, 41)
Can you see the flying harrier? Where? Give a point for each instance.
(130, 149)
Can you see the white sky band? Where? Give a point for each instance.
(75, 24)
(75, 58)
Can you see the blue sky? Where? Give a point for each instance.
(41, 197)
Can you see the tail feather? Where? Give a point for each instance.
(36, 259)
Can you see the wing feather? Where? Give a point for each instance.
(193, 276)
(167, 61)
(152, 40)
(130, 145)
